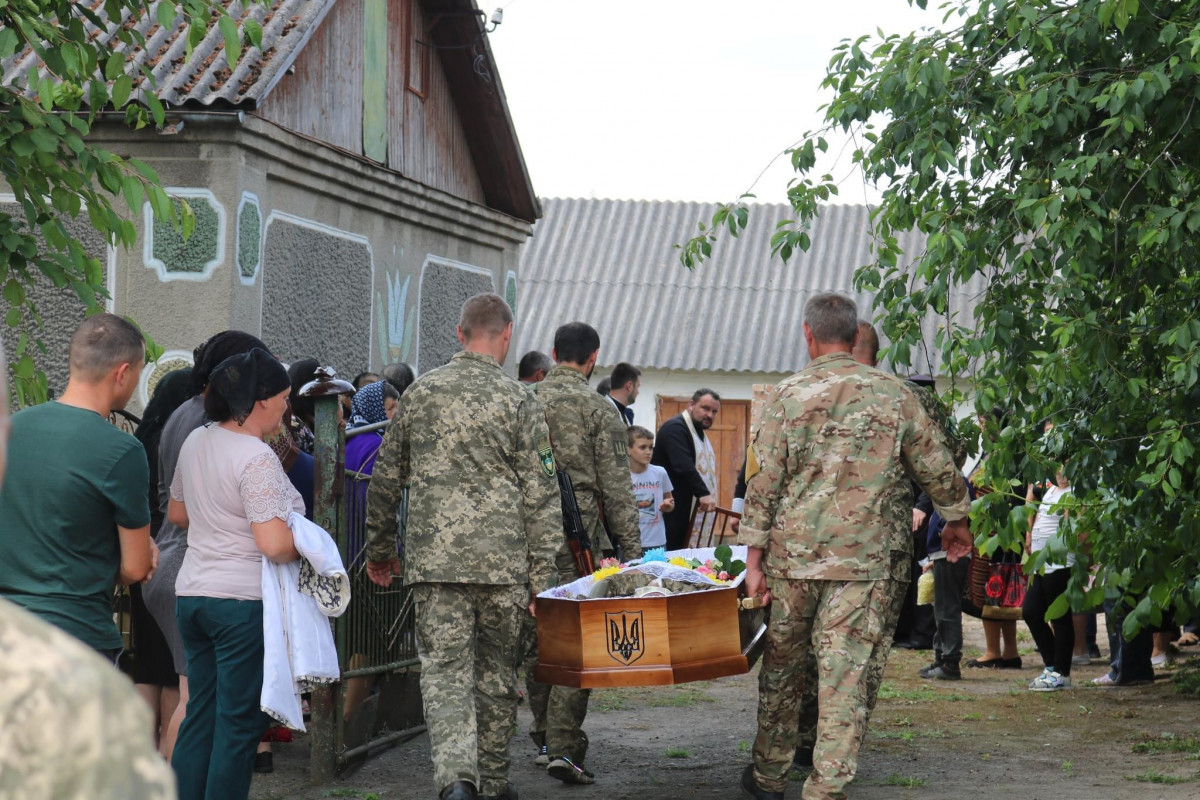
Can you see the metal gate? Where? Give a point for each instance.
(378, 700)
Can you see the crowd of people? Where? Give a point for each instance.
(852, 488)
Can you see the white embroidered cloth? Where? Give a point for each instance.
(706, 465)
(298, 599)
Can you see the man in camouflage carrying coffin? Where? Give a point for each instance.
(589, 439)
(826, 473)
(484, 523)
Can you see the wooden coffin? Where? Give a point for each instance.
(646, 641)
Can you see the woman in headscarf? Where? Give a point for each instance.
(300, 417)
(154, 674)
(374, 403)
(230, 492)
(159, 591)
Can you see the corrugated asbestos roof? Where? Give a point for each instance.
(612, 263)
(204, 79)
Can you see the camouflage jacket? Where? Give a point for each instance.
(589, 438)
(483, 507)
(828, 472)
(71, 726)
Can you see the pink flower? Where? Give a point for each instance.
(705, 570)
(725, 576)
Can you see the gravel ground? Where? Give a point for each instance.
(985, 735)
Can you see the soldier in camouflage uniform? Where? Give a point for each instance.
(484, 522)
(828, 473)
(866, 351)
(71, 726)
(589, 439)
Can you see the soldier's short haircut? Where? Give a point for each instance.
(868, 338)
(636, 432)
(399, 375)
(575, 342)
(103, 342)
(624, 373)
(832, 318)
(604, 386)
(484, 315)
(701, 392)
(531, 362)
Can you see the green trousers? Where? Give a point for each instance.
(223, 640)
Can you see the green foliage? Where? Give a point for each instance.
(895, 779)
(1187, 681)
(55, 175)
(1045, 149)
(678, 752)
(1154, 776)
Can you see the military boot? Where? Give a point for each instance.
(459, 790)
(752, 790)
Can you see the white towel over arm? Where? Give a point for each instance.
(298, 598)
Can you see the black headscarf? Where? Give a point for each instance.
(301, 372)
(219, 347)
(172, 391)
(244, 379)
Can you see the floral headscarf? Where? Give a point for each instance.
(367, 407)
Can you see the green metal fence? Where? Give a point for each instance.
(377, 702)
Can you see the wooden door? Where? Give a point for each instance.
(729, 435)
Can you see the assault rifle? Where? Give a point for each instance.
(577, 538)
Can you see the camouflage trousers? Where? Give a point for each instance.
(897, 589)
(538, 693)
(467, 640)
(558, 711)
(843, 621)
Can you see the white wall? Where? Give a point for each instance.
(682, 383)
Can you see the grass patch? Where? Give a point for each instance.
(1168, 744)
(1187, 678)
(908, 736)
(889, 692)
(974, 716)
(896, 779)
(680, 698)
(744, 746)
(608, 700)
(1154, 776)
(678, 752)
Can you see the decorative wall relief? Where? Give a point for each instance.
(249, 239)
(445, 286)
(169, 361)
(510, 291)
(395, 326)
(194, 260)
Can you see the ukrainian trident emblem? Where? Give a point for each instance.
(624, 638)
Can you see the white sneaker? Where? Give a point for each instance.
(1104, 680)
(1162, 660)
(1050, 681)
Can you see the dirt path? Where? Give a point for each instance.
(984, 736)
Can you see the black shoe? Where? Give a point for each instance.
(803, 758)
(543, 756)
(924, 671)
(264, 762)
(1094, 651)
(751, 789)
(459, 790)
(946, 671)
(509, 793)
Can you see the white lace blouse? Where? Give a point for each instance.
(228, 480)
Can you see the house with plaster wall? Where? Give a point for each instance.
(734, 322)
(354, 179)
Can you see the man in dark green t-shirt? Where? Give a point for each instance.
(74, 516)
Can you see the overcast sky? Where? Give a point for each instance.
(659, 100)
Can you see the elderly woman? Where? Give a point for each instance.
(231, 494)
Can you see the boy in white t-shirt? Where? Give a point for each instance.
(651, 488)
